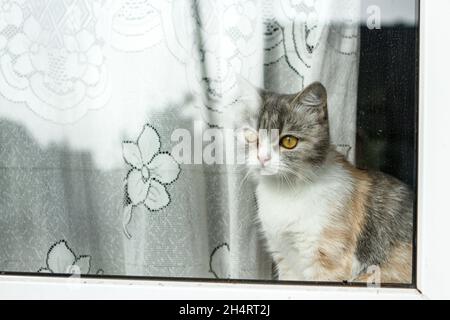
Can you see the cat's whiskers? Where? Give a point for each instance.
(307, 175)
(244, 179)
(286, 171)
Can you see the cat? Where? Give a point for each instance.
(322, 218)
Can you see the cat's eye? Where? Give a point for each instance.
(289, 142)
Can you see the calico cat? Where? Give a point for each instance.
(323, 219)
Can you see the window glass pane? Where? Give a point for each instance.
(249, 140)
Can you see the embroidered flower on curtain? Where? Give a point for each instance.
(151, 171)
(85, 57)
(240, 22)
(219, 262)
(307, 15)
(10, 16)
(82, 57)
(52, 56)
(61, 259)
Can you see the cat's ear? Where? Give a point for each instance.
(314, 95)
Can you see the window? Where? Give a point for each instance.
(98, 119)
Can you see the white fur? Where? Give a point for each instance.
(293, 218)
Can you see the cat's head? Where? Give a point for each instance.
(288, 136)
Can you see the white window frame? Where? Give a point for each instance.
(433, 277)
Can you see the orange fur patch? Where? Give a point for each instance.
(339, 239)
(335, 255)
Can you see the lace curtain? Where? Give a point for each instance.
(90, 94)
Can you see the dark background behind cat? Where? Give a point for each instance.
(387, 98)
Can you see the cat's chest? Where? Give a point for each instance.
(293, 220)
(296, 216)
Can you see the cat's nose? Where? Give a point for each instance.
(264, 159)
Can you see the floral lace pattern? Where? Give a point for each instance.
(151, 171)
(219, 262)
(52, 57)
(62, 260)
(63, 61)
(136, 25)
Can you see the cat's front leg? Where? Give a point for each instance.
(319, 274)
(313, 273)
(285, 271)
(328, 270)
(288, 275)
(289, 272)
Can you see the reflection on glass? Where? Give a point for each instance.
(252, 140)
